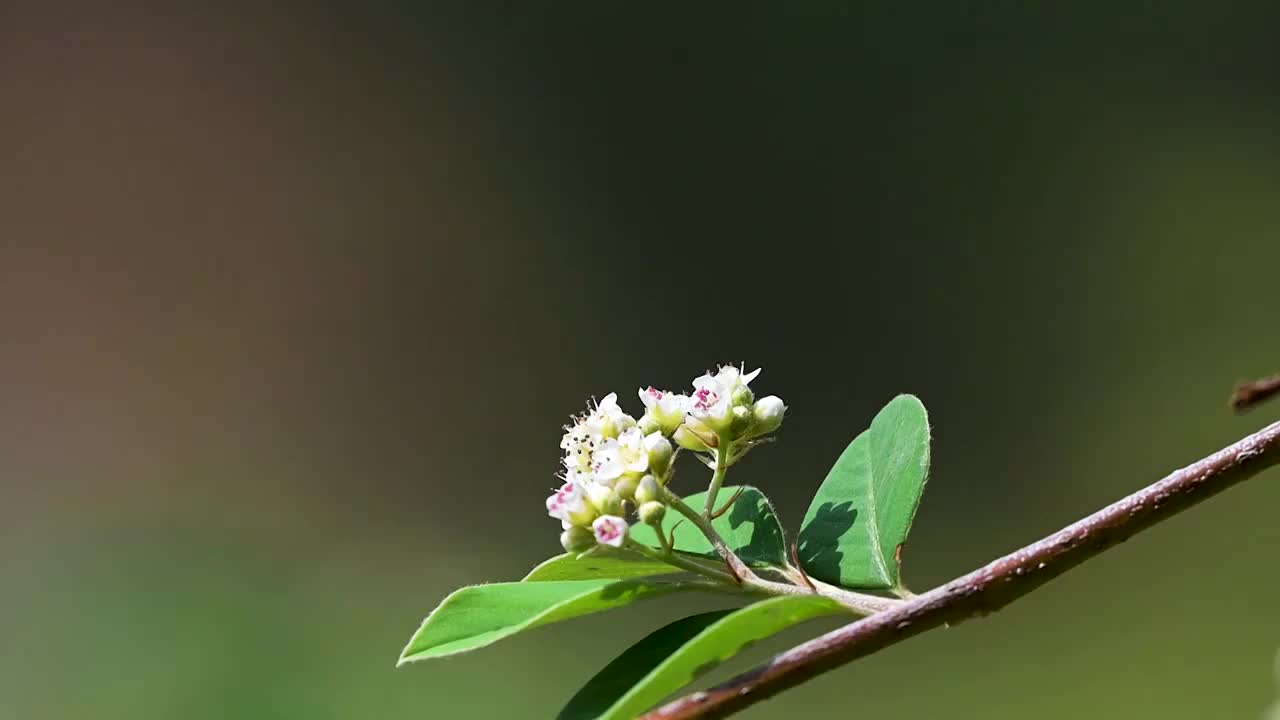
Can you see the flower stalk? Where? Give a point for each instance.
(717, 479)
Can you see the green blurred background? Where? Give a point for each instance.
(293, 303)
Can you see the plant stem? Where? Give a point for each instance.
(991, 587)
(672, 558)
(857, 602)
(717, 478)
(717, 587)
(734, 562)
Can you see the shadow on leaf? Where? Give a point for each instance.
(628, 589)
(820, 539)
(766, 537)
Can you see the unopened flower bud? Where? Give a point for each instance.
(689, 440)
(740, 421)
(648, 490)
(569, 504)
(651, 513)
(742, 395)
(577, 539)
(659, 449)
(625, 487)
(610, 530)
(768, 412)
(696, 435)
(604, 499)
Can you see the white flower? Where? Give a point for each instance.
(713, 397)
(711, 402)
(613, 458)
(569, 505)
(731, 378)
(610, 530)
(578, 446)
(589, 432)
(607, 420)
(666, 408)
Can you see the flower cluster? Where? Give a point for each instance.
(613, 461)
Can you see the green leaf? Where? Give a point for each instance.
(481, 615)
(860, 517)
(676, 655)
(602, 562)
(750, 528)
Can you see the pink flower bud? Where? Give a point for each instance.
(610, 530)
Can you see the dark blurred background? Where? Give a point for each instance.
(293, 303)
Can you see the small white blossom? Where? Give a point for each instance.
(569, 505)
(610, 530)
(713, 397)
(625, 455)
(731, 378)
(668, 409)
(590, 431)
(607, 420)
(578, 446)
(711, 403)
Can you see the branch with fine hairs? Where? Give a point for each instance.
(1249, 395)
(989, 588)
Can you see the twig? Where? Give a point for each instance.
(1249, 395)
(989, 588)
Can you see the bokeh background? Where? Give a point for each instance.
(293, 303)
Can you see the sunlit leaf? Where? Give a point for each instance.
(481, 615)
(863, 511)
